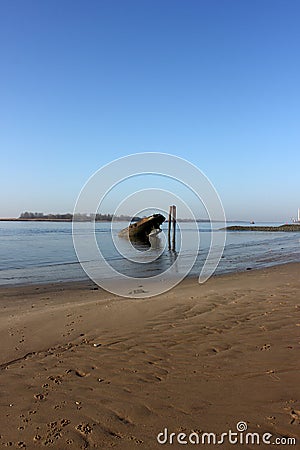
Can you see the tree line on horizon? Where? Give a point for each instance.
(78, 217)
(83, 217)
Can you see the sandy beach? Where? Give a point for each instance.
(81, 368)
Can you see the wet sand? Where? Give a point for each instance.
(82, 368)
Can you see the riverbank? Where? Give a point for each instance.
(286, 228)
(82, 368)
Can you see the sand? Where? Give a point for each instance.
(82, 368)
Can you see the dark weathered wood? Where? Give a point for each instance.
(139, 231)
(169, 227)
(174, 228)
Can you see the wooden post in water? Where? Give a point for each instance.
(174, 228)
(169, 227)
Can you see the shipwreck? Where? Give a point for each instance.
(142, 230)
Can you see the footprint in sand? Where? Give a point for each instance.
(56, 379)
(137, 291)
(78, 373)
(84, 428)
(295, 415)
(265, 347)
(40, 396)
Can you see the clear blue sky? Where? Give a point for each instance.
(213, 81)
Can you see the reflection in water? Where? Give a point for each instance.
(140, 259)
(140, 246)
(172, 255)
(155, 242)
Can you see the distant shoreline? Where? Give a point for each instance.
(52, 220)
(40, 219)
(33, 220)
(286, 228)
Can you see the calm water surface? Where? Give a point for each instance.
(42, 252)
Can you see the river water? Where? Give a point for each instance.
(42, 252)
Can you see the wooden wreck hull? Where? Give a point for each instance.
(139, 231)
